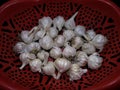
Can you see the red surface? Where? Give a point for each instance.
(102, 15)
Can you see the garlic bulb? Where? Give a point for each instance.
(77, 42)
(19, 47)
(33, 47)
(94, 61)
(68, 34)
(45, 22)
(49, 69)
(90, 34)
(55, 52)
(46, 42)
(27, 36)
(75, 72)
(40, 34)
(43, 55)
(62, 65)
(99, 41)
(59, 41)
(35, 65)
(53, 32)
(88, 48)
(59, 22)
(69, 51)
(80, 31)
(25, 58)
(81, 58)
(70, 23)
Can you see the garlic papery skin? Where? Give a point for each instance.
(80, 31)
(59, 22)
(69, 51)
(45, 22)
(90, 34)
(70, 23)
(27, 36)
(94, 61)
(55, 52)
(75, 72)
(77, 42)
(99, 41)
(40, 34)
(49, 69)
(68, 34)
(81, 58)
(43, 55)
(46, 42)
(33, 47)
(19, 47)
(25, 58)
(53, 32)
(35, 65)
(59, 41)
(62, 65)
(88, 48)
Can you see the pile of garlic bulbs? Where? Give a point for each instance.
(70, 47)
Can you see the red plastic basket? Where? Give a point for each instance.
(101, 15)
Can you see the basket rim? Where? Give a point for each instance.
(12, 2)
(107, 2)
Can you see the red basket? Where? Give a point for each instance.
(101, 15)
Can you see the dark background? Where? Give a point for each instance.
(117, 2)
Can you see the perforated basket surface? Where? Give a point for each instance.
(101, 15)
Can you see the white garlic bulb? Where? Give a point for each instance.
(49, 69)
(25, 58)
(80, 31)
(40, 34)
(33, 47)
(68, 34)
(62, 65)
(81, 58)
(35, 65)
(19, 47)
(77, 42)
(99, 41)
(53, 32)
(70, 23)
(90, 34)
(94, 61)
(59, 22)
(46, 42)
(88, 48)
(69, 51)
(55, 52)
(27, 36)
(75, 72)
(45, 22)
(43, 55)
(59, 41)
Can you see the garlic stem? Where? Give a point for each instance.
(58, 75)
(33, 31)
(22, 66)
(70, 23)
(54, 76)
(73, 17)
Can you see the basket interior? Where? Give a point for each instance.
(27, 17)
